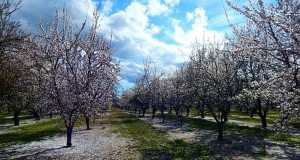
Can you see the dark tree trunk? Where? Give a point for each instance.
(36, 115)
(252, 111)
(87, 122)
(144, 111)
(181, 120)
(170, 110)
(163, 115)
(176, 112)
(69, 136)
(187, 112)
(225, 118)
(51, 115)
(202, 113)
(262, 113)
(16, 118)
(263, 121)
(220, 130)
(153, 112)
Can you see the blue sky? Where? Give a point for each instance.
(162, 30)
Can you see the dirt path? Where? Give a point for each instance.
(232, 147)
(97, 143)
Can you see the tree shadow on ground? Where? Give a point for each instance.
(28, 153)
(239, 142)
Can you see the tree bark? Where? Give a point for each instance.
(16, 118)
(144, 111)
(263, 121)
(220, 130)
(36, 115)
(187, 112)
(87, 122)
(163, 115)
(153, 112)
(202, 113)
(181, 120)
(69, 136)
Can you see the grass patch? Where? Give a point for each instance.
(7, 118)
(29, 133)
(240, 131)
(33, 132)
(154, 143)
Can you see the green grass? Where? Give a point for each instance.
(241, 131)
(154, 143)
(33, 132)
(7, 118)
(29, 133)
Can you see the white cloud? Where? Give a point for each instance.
(189, 16)
(132, 30)
(172, 3)
(153, 29)
(107, 6)
(155, 8)
(199, 22)
(133, 34)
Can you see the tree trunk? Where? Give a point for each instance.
(187, 112)
(69, 136)
(51, 115)
(176, 112)
(202, 113)
(220, 130)
(36, 115)
(144, 111)
(16, 118)
(153, 112)
(163, 115)
(181, 120)
(170, 110)
(225, 118)
(263, 121)
(87, 122)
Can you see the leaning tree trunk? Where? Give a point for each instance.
(87, 122)
(220, 130)
(262, 113)
(16, 118)
(69, 135)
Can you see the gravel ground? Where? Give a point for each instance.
(97, 143)
(231, 147)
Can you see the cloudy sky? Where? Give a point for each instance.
(162, 30)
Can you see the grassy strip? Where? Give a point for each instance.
(29, 133)
(242, 131)
(7, 118)
(154, 143)
(33, 132)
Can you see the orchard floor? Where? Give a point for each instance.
(232, 147)
(101, 143)
(97, 143)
